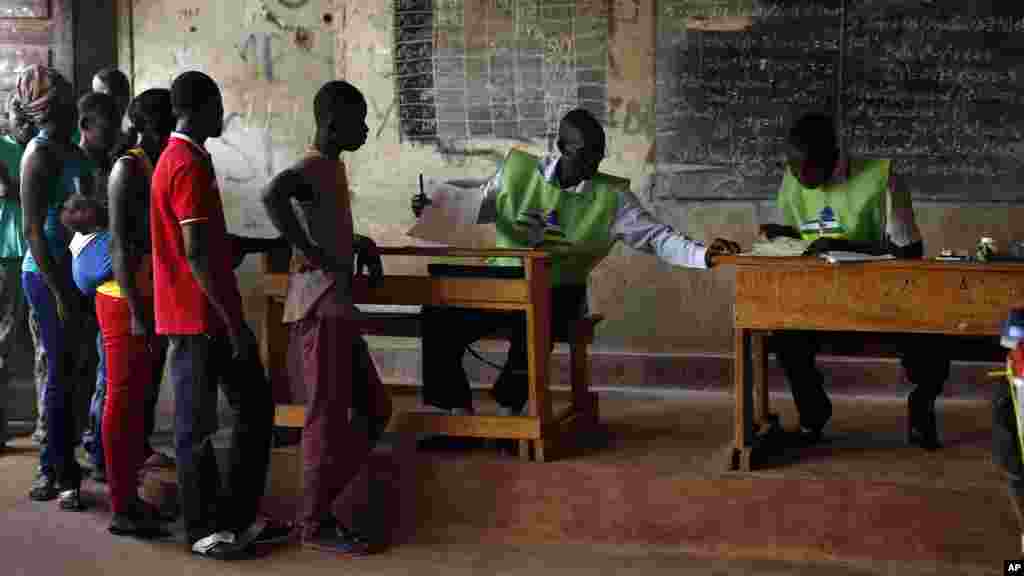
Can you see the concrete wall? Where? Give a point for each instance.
(650, 308)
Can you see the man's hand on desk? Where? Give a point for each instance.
(772, 231)
(368, 256)
(720, 247)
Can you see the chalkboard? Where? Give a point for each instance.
(502, 69)
(935, 85)
(938, 88)
(724, 98)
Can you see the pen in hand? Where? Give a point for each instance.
(420, 200)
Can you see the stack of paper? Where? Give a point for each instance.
(836, 257)
(779, 247)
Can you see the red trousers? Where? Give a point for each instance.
(331, 370)
(129, 376)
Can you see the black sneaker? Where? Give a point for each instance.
(44, 488)
(221, 546)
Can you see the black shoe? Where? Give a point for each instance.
(266, 531)
(222, 546)
(922, 428)
(140, 523)
(44, 488)
(806, 437)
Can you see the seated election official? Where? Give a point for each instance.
(532, 199)
(855, 205)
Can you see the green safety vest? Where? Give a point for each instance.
(585, 219)
(853, 209)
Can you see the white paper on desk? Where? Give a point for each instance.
(780, 246)
(839, 256)
(450, 217)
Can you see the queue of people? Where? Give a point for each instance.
(124, 235)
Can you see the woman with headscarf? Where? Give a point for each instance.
(52, 168)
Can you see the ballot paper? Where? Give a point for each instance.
(838, 257)
(779, 247)
(450, 217)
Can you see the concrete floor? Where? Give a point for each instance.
(651, 498)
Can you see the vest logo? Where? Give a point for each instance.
(825, 225)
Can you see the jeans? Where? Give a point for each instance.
(40, 372)
(12, 313)
(58, 337)
(92, 440)
(198, 365)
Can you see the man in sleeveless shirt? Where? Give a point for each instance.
(856, 205)
(591, 211)
(329, 364)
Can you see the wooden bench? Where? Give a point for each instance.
(581, 414)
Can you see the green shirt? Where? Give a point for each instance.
(852, 208)
(585, 220)
(12, 241)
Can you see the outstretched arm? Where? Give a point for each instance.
(640, 230)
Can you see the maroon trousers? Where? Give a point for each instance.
(330, 370)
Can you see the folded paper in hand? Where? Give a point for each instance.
(451, 216)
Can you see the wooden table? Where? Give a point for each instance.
(897, 296)
(530, 294)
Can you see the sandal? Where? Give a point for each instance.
(333, 537)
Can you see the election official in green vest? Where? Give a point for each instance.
(853, 205)
(562, 203)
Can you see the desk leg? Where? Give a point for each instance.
(538, 334)
(759, 367)
(743, 380)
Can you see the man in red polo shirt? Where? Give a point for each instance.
(199, 308)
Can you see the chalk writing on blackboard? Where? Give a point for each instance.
(504, 69)
(937, 87)
(940, 92)
(725, 97)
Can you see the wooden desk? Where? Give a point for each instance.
(530, 294)
(924, 296)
